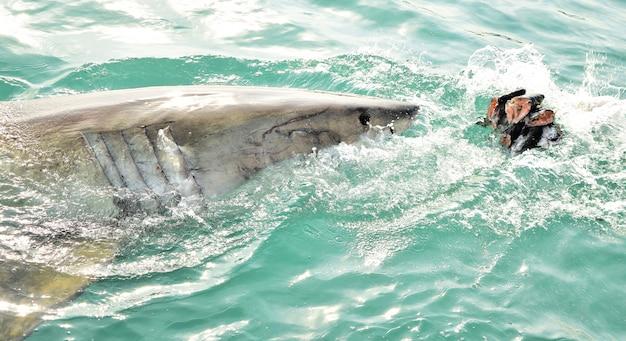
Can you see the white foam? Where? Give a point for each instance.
(491, 71)
(218, 332)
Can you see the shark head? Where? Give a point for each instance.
(333, 123)
(303, 124)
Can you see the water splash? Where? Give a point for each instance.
(378, 198)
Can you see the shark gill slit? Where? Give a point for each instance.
(186, 163)
(175, 177)
(142, 152)
(152, 134)
(100, 152)
(125, 164)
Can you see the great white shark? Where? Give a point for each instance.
(162, 144)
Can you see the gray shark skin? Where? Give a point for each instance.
(197, 139)
(165, 143)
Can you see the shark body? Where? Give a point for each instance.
(164, 144)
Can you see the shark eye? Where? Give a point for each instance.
(364, 118)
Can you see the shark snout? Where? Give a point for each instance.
(398, 118)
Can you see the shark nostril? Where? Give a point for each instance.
(364, 118)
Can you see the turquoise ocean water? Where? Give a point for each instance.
(435, 234)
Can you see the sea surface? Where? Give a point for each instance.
(435, 234)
